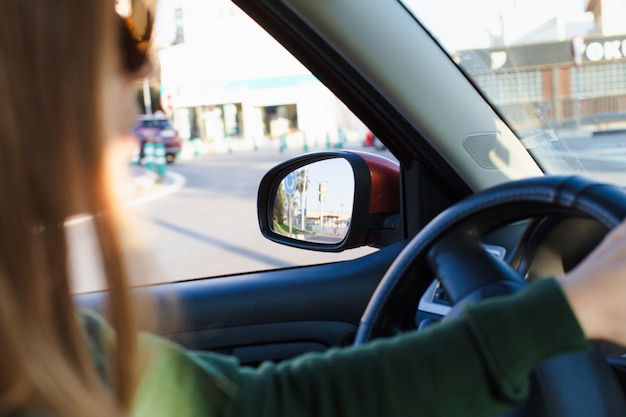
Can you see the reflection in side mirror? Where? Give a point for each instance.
(331, 201)
(314, 203)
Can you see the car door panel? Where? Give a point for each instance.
(267, 315)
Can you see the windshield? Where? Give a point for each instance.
(554, 70)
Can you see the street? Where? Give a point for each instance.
(206, 228)
(600, 156)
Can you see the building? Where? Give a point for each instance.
(226, 81)
(572, 74)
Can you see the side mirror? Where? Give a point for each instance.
(331, 201)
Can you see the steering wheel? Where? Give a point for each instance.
(450, 248)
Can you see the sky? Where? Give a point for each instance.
(459, 24)
(462, 24)
(339, 180)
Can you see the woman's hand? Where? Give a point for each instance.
(596, 289)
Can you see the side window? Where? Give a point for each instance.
(239, 104)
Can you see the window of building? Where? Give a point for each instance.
(512, 87)
(599, 80)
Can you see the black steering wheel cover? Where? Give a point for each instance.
(502, 204)
(455, 234)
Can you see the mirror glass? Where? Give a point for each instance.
(314, 202)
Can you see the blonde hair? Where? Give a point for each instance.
(54, 56)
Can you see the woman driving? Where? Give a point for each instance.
(74, 64)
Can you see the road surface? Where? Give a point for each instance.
(206, 228)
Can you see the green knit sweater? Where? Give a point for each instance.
(476, 365)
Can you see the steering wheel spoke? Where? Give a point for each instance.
(467, 271)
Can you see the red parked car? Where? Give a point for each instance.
(372, 140)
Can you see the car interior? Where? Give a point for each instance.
(466, 213)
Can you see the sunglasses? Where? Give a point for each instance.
(136, 20)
